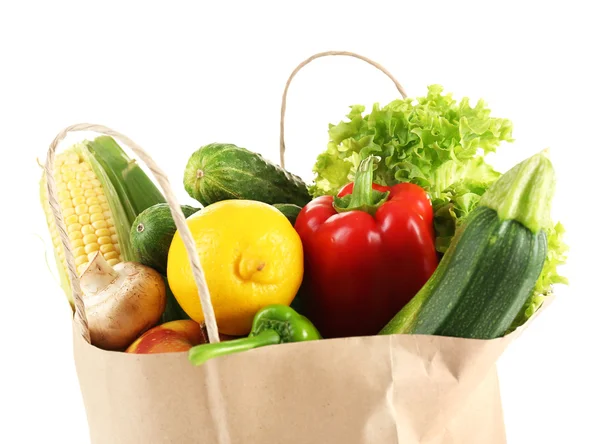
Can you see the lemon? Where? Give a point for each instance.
(251, 256)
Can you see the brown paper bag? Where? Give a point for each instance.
(385, 389)
(397, 389)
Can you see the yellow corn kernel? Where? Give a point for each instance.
(91, 255)
(74, 235)
(90, 239)
(103, 232)
(107, 248)
(73, 184)
(91, 201)
(83, 208)
(77, 192)
(71, 159)
(106, 240)
(81, 176)
(68, 212)
(117, 248)
(91, 248)
(80, 251)
(67, 176)
(76, 243)
(65, 204)
(87, 229)
(89, 194)
(71, 220)
(95, 209)
(79, 200)
(96, 183)
(113, 230)
(102, 198)
(113, 262)
(100, 224)
(63, 195)
(59, 160)
(111, 255)
(81, 260)
(74, 228)
(95, 217)
(84, 218)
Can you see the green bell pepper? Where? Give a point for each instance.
(274, 324)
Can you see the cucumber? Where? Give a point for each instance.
(492, 264)
(218, 172)
(290, 211)
(152, 232)
(173, 311)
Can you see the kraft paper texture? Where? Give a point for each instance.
(398, 389)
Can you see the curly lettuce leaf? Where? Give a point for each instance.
(433, 141)
(457, 188)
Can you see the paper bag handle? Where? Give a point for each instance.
(306, 62)
(178, 217)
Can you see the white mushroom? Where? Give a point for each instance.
(121, 302)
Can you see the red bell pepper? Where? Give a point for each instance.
(367, 252)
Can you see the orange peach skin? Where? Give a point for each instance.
(170, 337)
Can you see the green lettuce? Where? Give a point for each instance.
(433, 141)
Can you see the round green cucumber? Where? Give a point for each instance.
(218, 171)
(152, 232)
(290, 211)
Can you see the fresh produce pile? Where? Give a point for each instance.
(405, 229)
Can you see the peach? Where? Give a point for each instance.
(170, 337)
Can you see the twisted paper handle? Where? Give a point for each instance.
(178, 217)
(306, 62)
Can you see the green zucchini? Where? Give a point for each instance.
(152, 233)
(218, 172)
(492, 264)
(290, 211)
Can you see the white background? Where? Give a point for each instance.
(176, 78)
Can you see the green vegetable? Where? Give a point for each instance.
(273, 324)
(435, 142)
(290, 211)
(218, 172)
(493, 263)
(152, 232)
(173, 311)
(439, 144)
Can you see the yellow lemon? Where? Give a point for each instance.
(251, 256)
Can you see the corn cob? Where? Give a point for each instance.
(97, 204)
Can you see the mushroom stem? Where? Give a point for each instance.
(98, 275)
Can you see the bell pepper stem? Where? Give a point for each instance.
(199, 354)
(363, 197)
